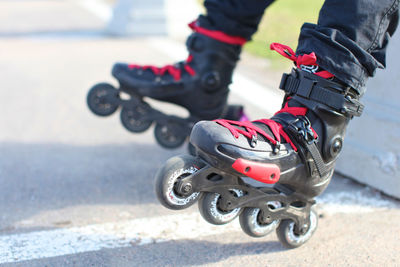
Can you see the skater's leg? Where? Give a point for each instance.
(351, 37)
(234, 17)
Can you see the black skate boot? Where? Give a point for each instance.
(295, 151)
(199, 84)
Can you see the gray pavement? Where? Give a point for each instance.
(63, 168)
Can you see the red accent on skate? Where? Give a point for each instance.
(264, 172)
(173, 70)
(190, 70)
(306, 60)
(218, 35)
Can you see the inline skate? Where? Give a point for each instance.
(268, 171)
(199, 84)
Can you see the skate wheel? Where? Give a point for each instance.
(287, 236)
(132, 118)
(98, 102)
(168, 178)
(252, 224)
(169, 135)
(210, 210)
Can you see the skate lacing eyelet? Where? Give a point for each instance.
(277, 148)
(253, 142)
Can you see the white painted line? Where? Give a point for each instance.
(45, 244)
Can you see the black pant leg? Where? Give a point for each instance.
(234, 17)
(351, 37)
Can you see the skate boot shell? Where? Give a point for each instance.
(294, 152)
(198, 84)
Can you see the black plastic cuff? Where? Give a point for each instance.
(329, 93)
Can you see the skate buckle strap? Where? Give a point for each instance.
(217, 35)
(311, 89)
(302, 127)
(301, 130)
(353, 106)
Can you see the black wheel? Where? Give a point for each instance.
(169, 135)
(252, 223)
(132, 118)
(169, 177)
(98, 102)
(209, 207)
(286, 232)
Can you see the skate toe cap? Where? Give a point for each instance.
(208, 135)
(216, 140)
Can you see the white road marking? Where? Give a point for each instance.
(143, 231)
(137, 232)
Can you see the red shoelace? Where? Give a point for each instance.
(250, 130)
(172, 70)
